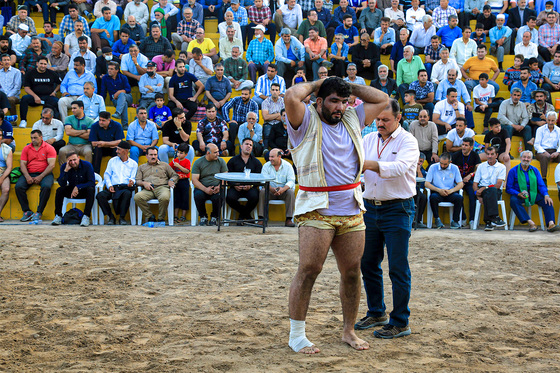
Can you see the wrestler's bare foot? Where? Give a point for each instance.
(309, 350)
(356, 343)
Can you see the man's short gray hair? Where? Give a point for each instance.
(89, 83)
(381, 67)
(230, 27)
(426, 18)
(552, 114)
(444, 49)
(518, 90)
(526, 152)
(409, 47)
(48, 111)
(251, 112)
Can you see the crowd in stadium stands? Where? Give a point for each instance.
(438, 68)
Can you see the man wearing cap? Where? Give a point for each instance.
(20, 41)
(500, 39)
(150, 84)
(139, 11)
(260, 53)
(119, 179)
(72, 86)
(289, 61)
(21, 18)
(104, 135)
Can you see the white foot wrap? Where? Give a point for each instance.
(297, 335)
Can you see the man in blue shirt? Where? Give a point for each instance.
(449, 33)
(122, 45)
(384, 36)
(104, 135)
(105, 30)
(526, 86)
(445, 182)
(526, 187)
(72, 86)
(116, 84)
(142, 134)
(351, 34)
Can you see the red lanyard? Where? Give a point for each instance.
(383, 148)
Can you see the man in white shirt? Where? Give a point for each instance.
(422, 36)
(487, 185)
(395, 15)
(222, 27)
(71, 45)
(289, 15)
(89, 57)
(526, 47)
(119, 179)
(414, 16)
(442, 67)
(447, 111)
(454, 139)
(52, 129)
(464, 48)
(547, 143)
(21, 40)
(283, 186)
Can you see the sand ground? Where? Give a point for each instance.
(182, 299)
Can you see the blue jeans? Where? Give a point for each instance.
(517, 205)
(313, 65)
(165, 151)
(122, 103)
(388, 225)
(136, 153)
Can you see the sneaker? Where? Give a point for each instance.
(36, 216)
(419, 225)
(370, 321)
(123, 222)
(439, 224)
(111, 221)
(26, 216)
(85, 221)
(471, 224)
(203, 222)
(57, 220)
(23, 124)
(392, 331)
(327, 64)
(498, 223)
(213, 221)
(489, 227)
(454, 225)
(464, 223)
(116, 116)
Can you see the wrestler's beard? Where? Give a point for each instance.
(328, 116)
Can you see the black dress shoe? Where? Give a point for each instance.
(111, 221)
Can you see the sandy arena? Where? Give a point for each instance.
(116, 299)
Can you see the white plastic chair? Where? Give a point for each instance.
(476, 219)
(154, 201)
(229, 210)
(430, 217)
(131, 209)
(512, 217)
(75, 201)
(194, 211)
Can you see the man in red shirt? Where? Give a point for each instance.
(36, 163)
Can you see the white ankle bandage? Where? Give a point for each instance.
(297, 335)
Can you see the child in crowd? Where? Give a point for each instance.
(182, 166)
(536, 75)
(513, 74)
(499, 139)
(485, 100)
(410, 109)
(159, 113)
(299, 77)
(478, 35)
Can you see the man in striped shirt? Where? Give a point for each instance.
(262, 88)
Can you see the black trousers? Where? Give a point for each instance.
(98, 154)
(200, 199)
(420, 201)
(65, 191)
(455, 198)
(245, 210)
(120, 204)
(490, 199)
(189, 107)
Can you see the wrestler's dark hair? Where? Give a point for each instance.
(394, 106)
(335, 85)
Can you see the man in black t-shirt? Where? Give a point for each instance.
(181, 90)
(467, 160)
(41, 86)
(174, 133)
(499, 139)
(6, 48)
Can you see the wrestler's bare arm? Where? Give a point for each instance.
(374, 100)
(293, 101)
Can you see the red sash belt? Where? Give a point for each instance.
(334, 188)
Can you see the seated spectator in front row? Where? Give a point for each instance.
(445, 182)
(156, 178)
(119, 179)
(142, 134)
(51, 128)
(547, 143)
(487, 186)
(36, 163)
(77, 127)
(105, 135)
(283, 186)
(76, 180)
(244, 161)
(213, 130)
(420, 199)
(6, 164)
(526, 188)
(175, 132)
(207, 187)
(498, 139)
(467, 160)
(181, 90)
(251, 129)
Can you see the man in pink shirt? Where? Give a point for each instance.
(165, 66)
(390, 185)
(329, 204)
(315, 52)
